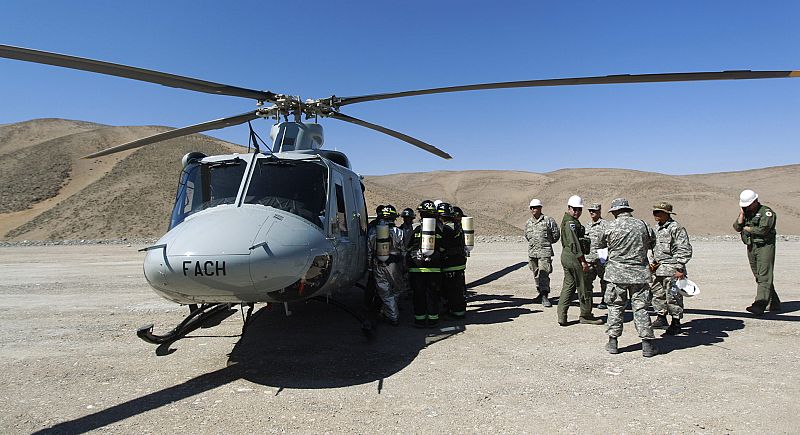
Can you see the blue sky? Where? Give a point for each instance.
(316, 49)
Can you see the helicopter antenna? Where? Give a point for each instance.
(253, 140)
(254, 137)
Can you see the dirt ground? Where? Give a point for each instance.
(71, 361)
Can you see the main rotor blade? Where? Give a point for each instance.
(416, 142)
(172, 134)
(598, 80)
(131, 72)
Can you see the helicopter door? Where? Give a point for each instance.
(343, 227)
(360, 222)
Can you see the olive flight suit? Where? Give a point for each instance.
(574, 244)
(760, 242)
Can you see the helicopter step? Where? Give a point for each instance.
(197, 315)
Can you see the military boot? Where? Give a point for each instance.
(674, 327)
(546, 301)
(590, 320)
(611, 346)
(756, 310)
(660, 322)
(649, 349)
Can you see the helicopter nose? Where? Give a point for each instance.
(205, 259)
(239, 254)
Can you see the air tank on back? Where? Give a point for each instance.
(428, 245)
(469, 232)
(383, 242)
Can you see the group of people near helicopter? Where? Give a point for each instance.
(424, 260)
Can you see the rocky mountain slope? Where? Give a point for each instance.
(48, 192)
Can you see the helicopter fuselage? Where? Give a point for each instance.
(250, 228)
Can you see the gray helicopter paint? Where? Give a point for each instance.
(238, 253)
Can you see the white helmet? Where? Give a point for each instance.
(536, 203)
(575, 201)
(747, 197)
(686, 287)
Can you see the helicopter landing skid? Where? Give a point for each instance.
(197, 315)
(366, 325)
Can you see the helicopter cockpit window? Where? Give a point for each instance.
(207, 185)
(296, 186)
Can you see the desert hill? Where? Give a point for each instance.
(48, 192)
(705, 204)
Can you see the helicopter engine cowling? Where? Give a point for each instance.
(230, 254)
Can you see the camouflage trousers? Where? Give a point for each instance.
(616, 298)
(664, 301)
(541, 268)
(596, 270)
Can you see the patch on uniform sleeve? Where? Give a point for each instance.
(572, 226)
(768, 213)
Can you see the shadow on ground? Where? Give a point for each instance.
(317, 346)
(782, 315)
(697, 332)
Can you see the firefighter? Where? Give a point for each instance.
(407, 228)
(425, 266)
(385, 246)
(453, 263)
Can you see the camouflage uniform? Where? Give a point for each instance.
(594, 231)
(541, 234)
(671, 253)
(628, 239)
(760, 242)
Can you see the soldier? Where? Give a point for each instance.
(575, 245)
(756, 224)
(453, 263)
(670, 255)
(628, 239)
(387, 272)
(425, 271)
(597, 266)
(541, 232)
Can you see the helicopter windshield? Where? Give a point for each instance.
(207, 185)
(296, 186)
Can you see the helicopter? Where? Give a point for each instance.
(294, 214)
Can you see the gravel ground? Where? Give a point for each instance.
(72, 363)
